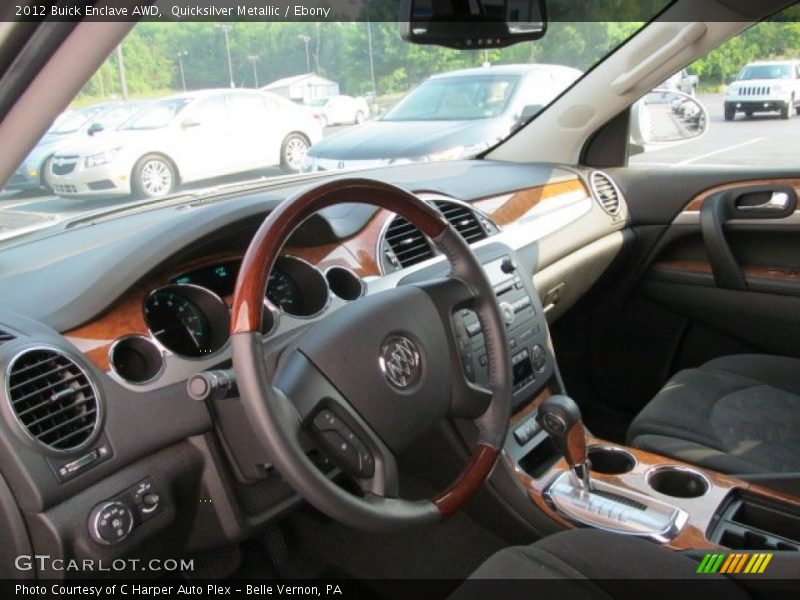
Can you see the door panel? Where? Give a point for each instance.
(663, 308)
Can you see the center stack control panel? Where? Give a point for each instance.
(526, 328)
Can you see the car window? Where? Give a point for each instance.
(156, 116)
(751, 100)
(247, 107)
(73, 122)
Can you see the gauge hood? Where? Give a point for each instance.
(391, 140)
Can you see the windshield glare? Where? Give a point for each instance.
(765, 72)
(456, 98)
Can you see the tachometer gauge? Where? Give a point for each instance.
(297, 288)
(187, 320)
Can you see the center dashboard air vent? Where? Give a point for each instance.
(403, 245)
(606, 192)
(465, 220)
(53, 399)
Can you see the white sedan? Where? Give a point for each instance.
(338, 110)
(185, 138)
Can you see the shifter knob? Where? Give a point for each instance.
(560, 417)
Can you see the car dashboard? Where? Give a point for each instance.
(123, 311)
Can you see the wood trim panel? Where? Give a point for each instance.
(750, 271)
(508, 208)
(701, 510)
(697, 202)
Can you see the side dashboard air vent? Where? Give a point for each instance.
(606, 192)
(406, 244)
(5, 337)
(464, 219)
(53, 399)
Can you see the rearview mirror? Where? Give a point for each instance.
(95, 128)
(667, 117)
(474, 25)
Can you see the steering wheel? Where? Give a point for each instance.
(369, 378)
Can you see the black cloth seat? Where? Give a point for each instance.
(597, 564)
(736, 414)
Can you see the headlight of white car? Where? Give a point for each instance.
(732, 90)
(777, 88)
(101, 158)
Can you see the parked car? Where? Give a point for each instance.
(339, 110)
(765, 86)
(73, 126)
(188, 137)
(452, 115)
(682, 81)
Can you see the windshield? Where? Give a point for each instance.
(456, 98)
(157, 116)
(364, 75)
(73, 121)
(765, 72)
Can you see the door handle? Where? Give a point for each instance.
(726, 206)
(778, 202)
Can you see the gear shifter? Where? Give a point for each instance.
(560, 417)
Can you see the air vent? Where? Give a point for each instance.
(464, 219)
(606, 191)
(5, 337)
(53, 399)
(407, 243)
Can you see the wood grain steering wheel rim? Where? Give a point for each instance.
(272, 413)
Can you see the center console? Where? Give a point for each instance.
(578, 480)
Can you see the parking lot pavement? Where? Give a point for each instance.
(763, 140)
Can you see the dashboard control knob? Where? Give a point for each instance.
(508, 266)
(150, 501)
(110, 522)
(508, 312)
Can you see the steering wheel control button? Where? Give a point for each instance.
(400, 362)
(343, 445)
(110, 523)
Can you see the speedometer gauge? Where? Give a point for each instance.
(187, 320)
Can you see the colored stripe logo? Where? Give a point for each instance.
(735, 563)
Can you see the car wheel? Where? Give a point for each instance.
(786, 110)
(730, 113)
(153, 176)
(293, 152)
(359, 118)
(44, 175)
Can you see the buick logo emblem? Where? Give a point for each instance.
(400, 363)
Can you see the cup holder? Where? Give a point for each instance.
(678, 482)
(610, 460)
